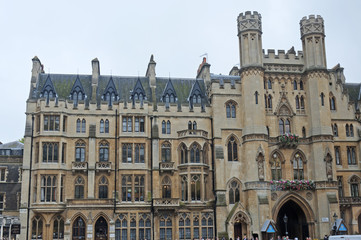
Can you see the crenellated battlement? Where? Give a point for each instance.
(249, 21)
(290, 55)
(312, 24)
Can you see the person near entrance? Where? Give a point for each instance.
(245, 237)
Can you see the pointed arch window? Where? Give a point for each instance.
(168, 127)
(184, 188)
(302, 103)
(194, 125)
(163, 127)
(144, 226)
(79, 188)
(322, 99)
(195, 187)
(340, 186)
(165, 227)
(103, 187)
(101, 126)
(83, 125)
(351, 155)
(298, 171)
(233, 192)
(166, 152)
(294, 85)
(78, 122)
(276, 167)
(195, 154)
(354, 185)
(106, 126)
(303, 132)
(335, 130)
(232, 149)
(104, 152)
(284, 126)
(268, 102)
(184, 227)
(121, 227)
(332, 103)
(269, 84)
(256, 97)
(231, 110)
(297, 102)
(347, 130)
(37, 228)
(351, 130)
(166, 187)
(183, 154)
(58, 228)
(301, 85)
(78, 229)
(189, 125)
(80, 151)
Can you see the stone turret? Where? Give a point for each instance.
(95, 77)
(313, 42)
(35, 71)
(250, 38)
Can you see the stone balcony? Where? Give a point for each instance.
(349, 201)
(166, 202)
(103, 166)
(166, 166)
(193, 133)
(79, 166)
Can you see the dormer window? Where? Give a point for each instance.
(48, 90)
(110, 93)
(77, 92)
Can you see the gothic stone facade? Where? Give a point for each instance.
(113, 157)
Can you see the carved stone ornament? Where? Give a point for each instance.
(309, 196)
(260, 163)
(274, 196)
(328, 160)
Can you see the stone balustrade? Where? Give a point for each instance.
(350, 201)
(193, 133)
(166, 202)
(166, 166)
(103, 166)
(79, 166)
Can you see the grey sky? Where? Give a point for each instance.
(67, 35)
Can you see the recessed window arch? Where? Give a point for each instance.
(166, 152)
(101, 126)
(58, 228)
(79, 187)
(298, 166)
(48, 188)
(256, 97)
(121, 227)
(276, 166)
(232, 149)
(106, 126)
(194, 125)
(80, 151)
(83, 125)
(189, 125)
(168, 127)
(78, 229)
(183, 153)
(294, 85)
(78, 122)
(284, 126)
(303, 132)
(301, 85)
(297, 102)
(347, 130)
(234, 192)
(163, 127)
(103, 187)
(269, 84)
(332, 103)
(231, 109)
(322, 99)
(335, 130)
(354, 186)
(302, 100)
(37, 228)
(351, 130)
(166, 187)
(195, 153)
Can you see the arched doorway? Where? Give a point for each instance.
(296, 221)
(101, 229)
(78, 229)
(237, 230)
(240, 223)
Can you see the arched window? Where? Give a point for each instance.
(166, 187)
(165, 227)
(106, 126)
(144, 226)
(189, 125)
(184, 227)
(183, 154)
(230, 109)
(287, 126)
(207, 225)
(58, 229)
(303, 132)
(78, 229)
(232, 149)
(301, 85)
(256, 97)
(166, 152)
(37, 228)
(351, 130)
(79, 188)
(269, 101)
(281, 124)
(102, 126)
(297, 103)
(195, 187)
(167, 98)
(184, 188)
(83, 123)
(78, 125)
(168, 127)
(163, 127)
(333, 103)
(298, 167)
(269, 84)
(302, 103)
(354, 185)
(80, 151)
(104, 152)
(347, 131)
(48, 188)
(103, 187)
(276, 167)
(335, 130)
(121, 227)
(195, 154)
(75, 99)
(322, 99)
(294, 85)
(233, 192)
(194, 125)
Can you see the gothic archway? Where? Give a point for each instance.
(240, 224)
(101, 229)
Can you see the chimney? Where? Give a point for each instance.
(151, 71)
(35, 71)
(204, 71)
(95, 77)
(234, 71)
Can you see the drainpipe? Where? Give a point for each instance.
(213, 182)
(30, 168)
(116, 158)
(151, 173)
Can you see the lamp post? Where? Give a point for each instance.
(285, 219)
(334, 227)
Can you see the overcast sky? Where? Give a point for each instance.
(67, 35)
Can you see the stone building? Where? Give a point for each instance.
(11, 160)
(115, 157)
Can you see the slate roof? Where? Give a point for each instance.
(353, 90)
(48, 86)
(63, 84)
(12, 145)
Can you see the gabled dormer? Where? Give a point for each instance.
(77, 92)
(195, 95)
(110, 93)
(169, 95)
(138, 92)
(48, 90)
